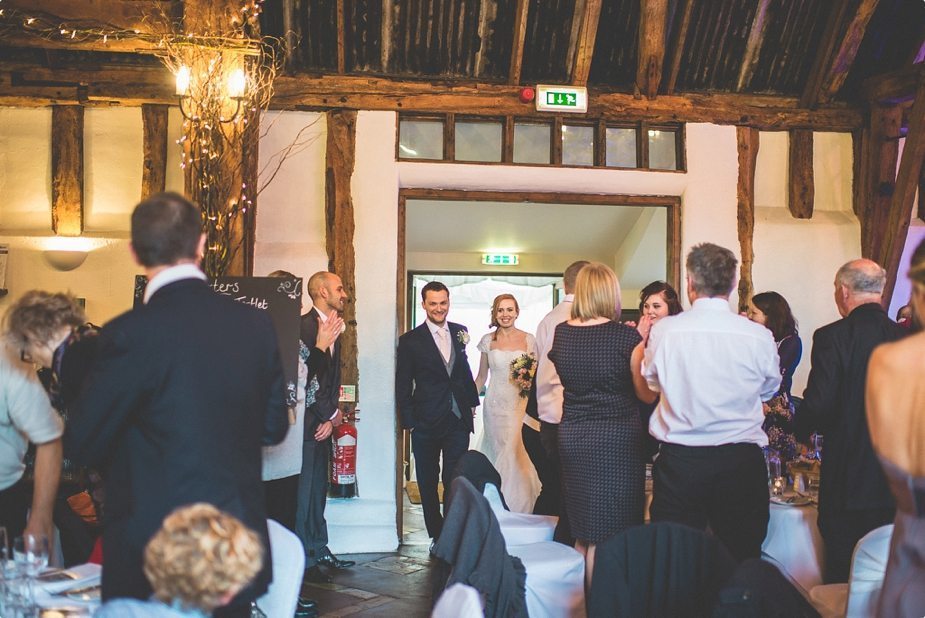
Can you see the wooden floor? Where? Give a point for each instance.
(393, 584)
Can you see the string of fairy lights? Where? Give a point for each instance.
(224, 79)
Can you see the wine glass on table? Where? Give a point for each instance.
(30, 555)
(817, 446)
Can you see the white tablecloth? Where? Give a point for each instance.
(794, 545)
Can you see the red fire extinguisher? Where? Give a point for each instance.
(344, 459)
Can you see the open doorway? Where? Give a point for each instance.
(444, 234)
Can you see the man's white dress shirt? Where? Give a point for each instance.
(713, 369)
(170, 275)
(548, 386)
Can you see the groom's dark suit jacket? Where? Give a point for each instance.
(327, 399)
(185, 392)
(423, 388)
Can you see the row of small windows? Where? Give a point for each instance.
(529, 142)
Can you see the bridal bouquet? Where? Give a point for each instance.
(523, 368)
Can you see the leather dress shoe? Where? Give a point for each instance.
(329, 559)
(306, 608)
(315, 575)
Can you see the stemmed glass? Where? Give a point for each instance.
(30, 556)
(817, 446)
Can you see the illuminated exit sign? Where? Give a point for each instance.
(500, 259)
(561, 99)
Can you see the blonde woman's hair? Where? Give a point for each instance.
(597, 293)
(494, 311)
(39, 315)
(199, 555)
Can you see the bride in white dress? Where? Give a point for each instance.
(503, 409)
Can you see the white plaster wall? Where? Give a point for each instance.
(532, 263)
(25, 169)
(290, 208)
(798, 257)
(709, 211)
(106, 279)
(113, 164)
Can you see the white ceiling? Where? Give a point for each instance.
(473, 227)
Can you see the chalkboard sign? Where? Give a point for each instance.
(281, 297)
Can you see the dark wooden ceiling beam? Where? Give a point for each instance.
(753, 45)
(155, 85)
(839, 47)
(895, 86)
(520, 35)
(583, 53)
(341, 36)
(653, 17)
(678, 39)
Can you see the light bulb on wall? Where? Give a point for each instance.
(237, 84)
(183, 80)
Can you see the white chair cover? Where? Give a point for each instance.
(555, 579)
(858, 598)
(288, 569)
(519, 528)
(459, 601)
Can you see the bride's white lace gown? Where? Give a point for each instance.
(503, 412)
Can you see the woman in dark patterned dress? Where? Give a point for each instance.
(601, 436)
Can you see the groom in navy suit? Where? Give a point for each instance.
(436, 397)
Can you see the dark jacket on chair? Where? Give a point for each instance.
(472, 544)
(186, 390)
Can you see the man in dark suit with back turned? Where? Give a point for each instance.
(187, 388)
(436, 396)
(322, 415)
(854, 497)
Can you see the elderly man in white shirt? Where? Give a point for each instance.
(549, 395)
(713, 369)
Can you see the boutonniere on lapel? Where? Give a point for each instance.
(463, 337)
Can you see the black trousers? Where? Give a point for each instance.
(312, 496)
(281, 495)
(841, 531)
(721, 487)
(427, 451)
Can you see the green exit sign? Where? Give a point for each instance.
(561, 99)
(500, 259)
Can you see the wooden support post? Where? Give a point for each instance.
(340, 224)
(652, 22)
(802, 190)
(584, 45)
(517, 47)
(878, 176)
(154, 172)
(907, 183)
(747, 141)
(67, 169)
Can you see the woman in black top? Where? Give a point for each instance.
(600, 436)
(773, 311)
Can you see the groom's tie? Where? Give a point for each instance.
(444, 344)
